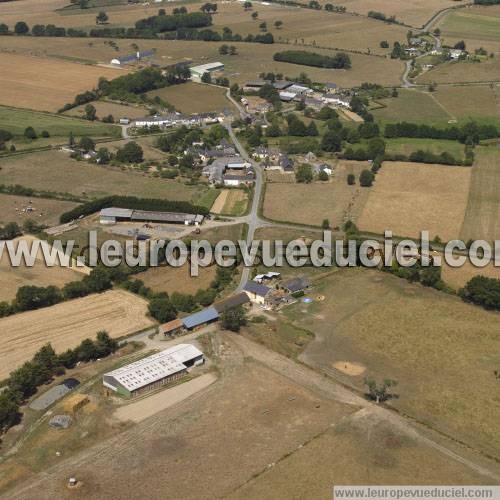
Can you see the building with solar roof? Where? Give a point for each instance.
(152, 372)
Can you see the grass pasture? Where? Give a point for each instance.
(412, 106)
(441, 351)
(415, 13)
(463, 72)
(478, 27)
(55, 171)
(194, 97)
(65, 325)
(45, 84)
(16, 120)
(407, 198)
(471, 102)
(405, 145)
(46, 211)
(312, 203)
(104, 108)
(482, 216)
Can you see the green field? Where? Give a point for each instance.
(476, 23)
(412, 106)
(441, 351)
(406, 146)
(16, 120)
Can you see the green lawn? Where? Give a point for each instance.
(472, 24)
(16, 120)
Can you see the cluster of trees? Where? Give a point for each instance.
(487, 2)
(329, 7)
(164, 308)
(31, 297)
(233, 319)
(426, 275)
(130, 153)
(382, 17)
(21, 28)
(298, 128)
(163, 23)
(10, 231)
(304, 173)
(225, 50)
(470, 132)
(132, 202)
(444, 158)
(482, 291)
(340, 61)
(23, 382)
(209, 7)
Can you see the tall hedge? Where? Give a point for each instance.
(133, 203)
(340, 60)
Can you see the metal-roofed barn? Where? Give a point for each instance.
(112, 215)
(201, 318)
(131, 58)
(239, 299)
(153, 371)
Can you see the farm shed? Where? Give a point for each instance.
(198, 71)
(131, 58)
(256, 292)
(112, 215)
(282, 84)
(171, 328)
(50, 397)
(199, 319)
(153, 371)
(240, 299)
(295, 284)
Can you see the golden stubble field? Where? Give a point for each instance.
(65, 325)
(407, 198)
(45, 84)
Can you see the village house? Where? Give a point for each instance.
(256, 292)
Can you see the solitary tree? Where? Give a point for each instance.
(379, 393)
(29, 133)
(223, 50)
(86, 144)
(366, 178)
(90, 112)
(325, 224)
(263, 26)
(247, 5)
(255, 15)
(4, 29)
(233, 51)
(234, 319)
(351, 179)
(101, 18)
(206, 78)
(21, 28)
(278, 24)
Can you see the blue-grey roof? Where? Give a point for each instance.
(133, 57)
(256, 288)
(199, 318)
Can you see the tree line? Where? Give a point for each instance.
(340, 61)
(45, 364)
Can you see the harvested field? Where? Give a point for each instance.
(251, 60)
(230, 202)
(45, 211)
(441, 350)
(194, 97)
(65, 325)
(11, 278)
(177, 279)
(457, 277)
(408, 198)
(45, 84)
(415, 13)
(315, 202)
(55, 171)
(412, 106)
(105, 108)
(482, 217)
(478, 26)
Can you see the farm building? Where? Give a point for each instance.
(172, 328)
(294, 285)
(260, 278)
(112, 215)
(240, 299)
(54, 394)
(132, 58)
(200, 319)
(256, 292)
(153, 371)
(238, 180)
(282, 84)
(198, 71)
